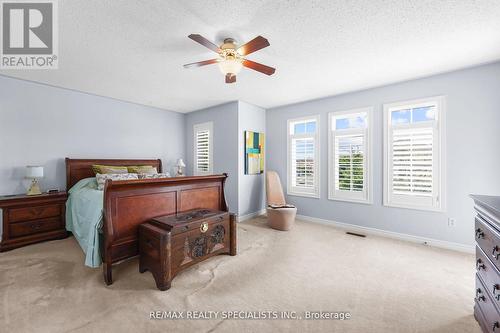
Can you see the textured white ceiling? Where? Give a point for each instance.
(134, 50)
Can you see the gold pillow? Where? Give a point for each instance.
(112, 170)
(142, 169)
(107, 169)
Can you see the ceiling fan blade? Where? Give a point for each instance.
(205, 42)
(258, 67)
(201, 63)
(230, 78)
(255, 44)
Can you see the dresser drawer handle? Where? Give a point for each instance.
(36, 211)
(479, 233)
(479, 295)
(36, 226)
(496, 252)
(496, 288)
(480, 265)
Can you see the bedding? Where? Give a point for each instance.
(84, 218)
(101, 178)
(98, 168)
(148, 169)
(153, 175)
(107, 170)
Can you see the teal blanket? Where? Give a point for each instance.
(84, 218)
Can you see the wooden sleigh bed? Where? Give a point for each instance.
(130, 203)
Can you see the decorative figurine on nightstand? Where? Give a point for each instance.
(180, 165)
(34, 173)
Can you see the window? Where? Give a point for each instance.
(203, 149)
(303, 156)
(414, 154)
(349, 155)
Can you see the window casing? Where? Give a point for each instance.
(303, 156)
(203, 149)
(414, 154)
(349, 155)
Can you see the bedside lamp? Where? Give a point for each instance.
(34, 173)
(180, 165)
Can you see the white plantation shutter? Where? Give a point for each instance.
(303, 163)
(203, 149)
(349, 166)
(303, 157)
(414, 154)
(349, 155)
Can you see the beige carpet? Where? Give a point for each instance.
(386, 285)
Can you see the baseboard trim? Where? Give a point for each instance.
(241, 218)
(391, 234)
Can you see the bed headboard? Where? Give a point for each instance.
(78, 169)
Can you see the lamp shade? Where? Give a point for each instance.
(33, 171)
(180, 163)
(231, 65)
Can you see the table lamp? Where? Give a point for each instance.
(180, 165)
(34, 173)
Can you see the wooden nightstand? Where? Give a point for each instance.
(32, 219)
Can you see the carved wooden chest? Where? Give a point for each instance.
(171, 243)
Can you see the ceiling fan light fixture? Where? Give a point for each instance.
(231, 57)
(230, 66)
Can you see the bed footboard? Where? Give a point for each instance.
(130, 203)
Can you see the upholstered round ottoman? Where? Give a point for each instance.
(282, 218)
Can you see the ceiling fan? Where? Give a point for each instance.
(231, 57)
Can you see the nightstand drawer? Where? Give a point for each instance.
(32, 213)
(33, 227)
(29, 219)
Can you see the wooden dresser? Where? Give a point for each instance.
(487, 233)
(32, 219)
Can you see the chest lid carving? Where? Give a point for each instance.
(189, 220)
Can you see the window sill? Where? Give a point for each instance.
(425, 209)
(358, 201)
(306, 195)
(203, 173)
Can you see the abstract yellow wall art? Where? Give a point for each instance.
(254, 153)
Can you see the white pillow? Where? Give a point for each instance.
(101, 178)
(154, 175)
